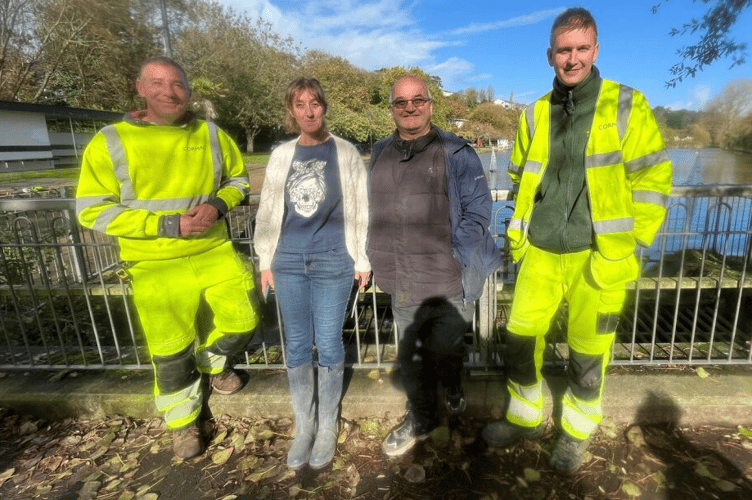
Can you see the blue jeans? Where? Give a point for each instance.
(312, 291)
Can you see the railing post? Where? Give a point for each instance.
(79, 270)
(487, 313)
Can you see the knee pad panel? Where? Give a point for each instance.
(230, 343)
(585, 375)
(519, 359)
(175, 372)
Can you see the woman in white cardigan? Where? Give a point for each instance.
(310, 238)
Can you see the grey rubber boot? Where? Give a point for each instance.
(301, 392)
(330, 395)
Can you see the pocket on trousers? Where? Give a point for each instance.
(609, 274)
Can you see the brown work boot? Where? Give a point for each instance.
(227, 382)
(186, 442)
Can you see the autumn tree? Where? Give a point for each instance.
(502, 120)
(246, 58)
(725, 112)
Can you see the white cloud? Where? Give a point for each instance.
(514, 22)
(700, 94)
(371, 35)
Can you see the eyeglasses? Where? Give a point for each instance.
(418, 102)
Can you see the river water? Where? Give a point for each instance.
(694, 223)
(692, 167)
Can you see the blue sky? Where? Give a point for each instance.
(502, 43)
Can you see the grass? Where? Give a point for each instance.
(72, 173)
(61, 173)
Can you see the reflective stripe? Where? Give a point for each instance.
(623, 225)
(182, 407)
(653, 197)
(525, 404)
(603, 159)
(578, 417)
(106, 216)
(240, 183)
(166, 204)
(623, 110)
(119, 162)
(534, 167)
(648, 160)
(518, 224)
(85, 202)
(514, 168)
(530, 118)
(211, 363)
(216, 153)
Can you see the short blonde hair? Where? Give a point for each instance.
(574, 18)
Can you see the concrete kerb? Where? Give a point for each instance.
(722, 398)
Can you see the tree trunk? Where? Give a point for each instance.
(250, 135)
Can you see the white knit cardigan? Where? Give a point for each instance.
(353, 177)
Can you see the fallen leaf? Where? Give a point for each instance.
(747, 433)
(265, 434)
(374, 375)
(221, 457)
(635, 436)
(257, 476)
(218, 438)
(701, 469)
(701, 372)
(415, 473)
(248, 462)
(726, 486)
(531, 475)
(631, 489)
(237, 441)
(7, 474)
(127, 495)
(522, 482)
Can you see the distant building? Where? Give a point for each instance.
(41, 137)
(509, 104)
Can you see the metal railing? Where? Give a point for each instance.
(62, 305)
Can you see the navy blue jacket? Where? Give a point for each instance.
(469, 212)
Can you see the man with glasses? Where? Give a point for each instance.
(430, 250)
(593, 179)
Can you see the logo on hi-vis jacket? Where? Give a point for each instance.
(306, 186)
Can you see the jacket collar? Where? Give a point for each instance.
(570, 97)
(410, 148)
(138, 118)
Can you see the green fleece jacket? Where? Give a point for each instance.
(561, 222)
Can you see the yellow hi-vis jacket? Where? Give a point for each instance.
(628, 172)
(137, 178)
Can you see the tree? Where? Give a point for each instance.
(714, 41)
(503, 121)
(243, 56)
(725, 112)
(471, 98)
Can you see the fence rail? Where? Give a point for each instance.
(63, 306)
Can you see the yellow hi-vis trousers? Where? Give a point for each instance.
(544, 280)
(167, 295)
